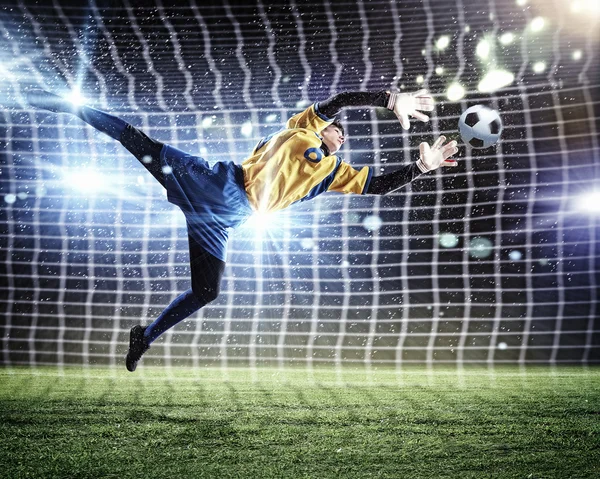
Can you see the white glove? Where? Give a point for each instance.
(436, 156)
(407, 104)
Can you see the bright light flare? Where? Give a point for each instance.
(261, 223)
(585, 7)
(589, 203)
(77, 98)
(86, 180)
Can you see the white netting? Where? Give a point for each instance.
(494, 261)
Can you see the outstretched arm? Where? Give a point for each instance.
(402, 104)
(334, 104)
(430, 158)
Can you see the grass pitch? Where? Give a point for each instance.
(94, 423)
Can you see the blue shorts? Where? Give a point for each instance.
(213, 199)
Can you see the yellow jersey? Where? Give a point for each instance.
(290, 166)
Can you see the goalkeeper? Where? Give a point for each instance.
(295, 164)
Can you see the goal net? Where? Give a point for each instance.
(494, 261)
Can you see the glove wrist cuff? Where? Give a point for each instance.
(422, 166)
(391, 101)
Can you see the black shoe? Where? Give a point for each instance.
(137, 347)
(49, 101)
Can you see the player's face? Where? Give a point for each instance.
(333, 138)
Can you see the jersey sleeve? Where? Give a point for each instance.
(310, 119)
(349, 180)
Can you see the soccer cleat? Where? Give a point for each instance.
(137, 347)
(49, 101)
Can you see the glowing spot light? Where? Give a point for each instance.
(207, 122)
(480, 247)
(502, 346)
(372, 223)
(539, 67)
(307, 243)
(577, 54)
(439, 70)
(448, 240)
(420, 79)
(10, 198)
(455, 92)
(247, 129)
(537, 24)
(515, 255)
(442, 42)
(494, 80)
(483, 49)
(507, 38)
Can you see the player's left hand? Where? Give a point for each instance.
(437, 155)
(408, 104)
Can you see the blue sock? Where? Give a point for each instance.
(104, 122)
(183, 306)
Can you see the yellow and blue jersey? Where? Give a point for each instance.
(287, 167)
(290, 166)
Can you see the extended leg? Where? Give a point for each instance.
(144, 148)
(207, 272)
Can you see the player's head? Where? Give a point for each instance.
(333, 136)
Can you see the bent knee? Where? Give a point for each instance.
(206, 294)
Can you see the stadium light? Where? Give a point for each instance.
(494, 80)
(483, 49)
(442, 42)
(455, 92)
(537, 24)
(507, 38)
(246, 129)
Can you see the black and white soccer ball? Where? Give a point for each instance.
(480, 126)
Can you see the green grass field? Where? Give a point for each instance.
(534, 423)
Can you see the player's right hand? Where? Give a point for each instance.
(437, 155)
(408, 104)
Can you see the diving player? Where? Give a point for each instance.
(295, 164)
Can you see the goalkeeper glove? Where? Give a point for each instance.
(437, 155)
(407, 104)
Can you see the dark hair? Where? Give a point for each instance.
(337, 123)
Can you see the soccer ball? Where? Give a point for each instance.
(480, 126)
